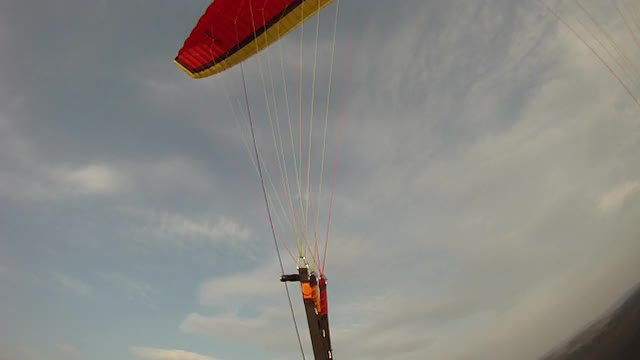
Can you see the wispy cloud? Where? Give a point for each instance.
(253, 286)
(178, 225)
(135, 289)
(18, 175)
(615, 198)
(76, 285)
(233, 327)
(92, 179)
(252, 291)
(70, 350)
(180, 228)
(475, 190)
(149, 353)
(25, 174)
(483, 154)
(171, 173)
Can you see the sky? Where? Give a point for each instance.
(485, 207)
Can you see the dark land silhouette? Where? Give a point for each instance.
(615, 336)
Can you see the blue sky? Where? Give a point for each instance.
(486, 205)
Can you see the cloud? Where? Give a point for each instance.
(181, 229)
(236, 328)
(613, 199)
(483, 150)
(97, 179)
(73, 284)
(136, 290)
(530, 327)
(474, 163)
(148, 353)
(240, 288)
(228, 325)
(178, 225)
(18, 176)
(171, 174)
(28, 172)
(70, 350)
(26, 175)
(247, 305)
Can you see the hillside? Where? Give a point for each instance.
(615, 336)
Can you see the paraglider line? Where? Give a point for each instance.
(602, 45)
(554, 13)
(266, 202)
(626, 23)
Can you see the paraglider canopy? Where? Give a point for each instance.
(230, 31)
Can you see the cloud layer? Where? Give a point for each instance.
(146, 353)
(486, 205)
